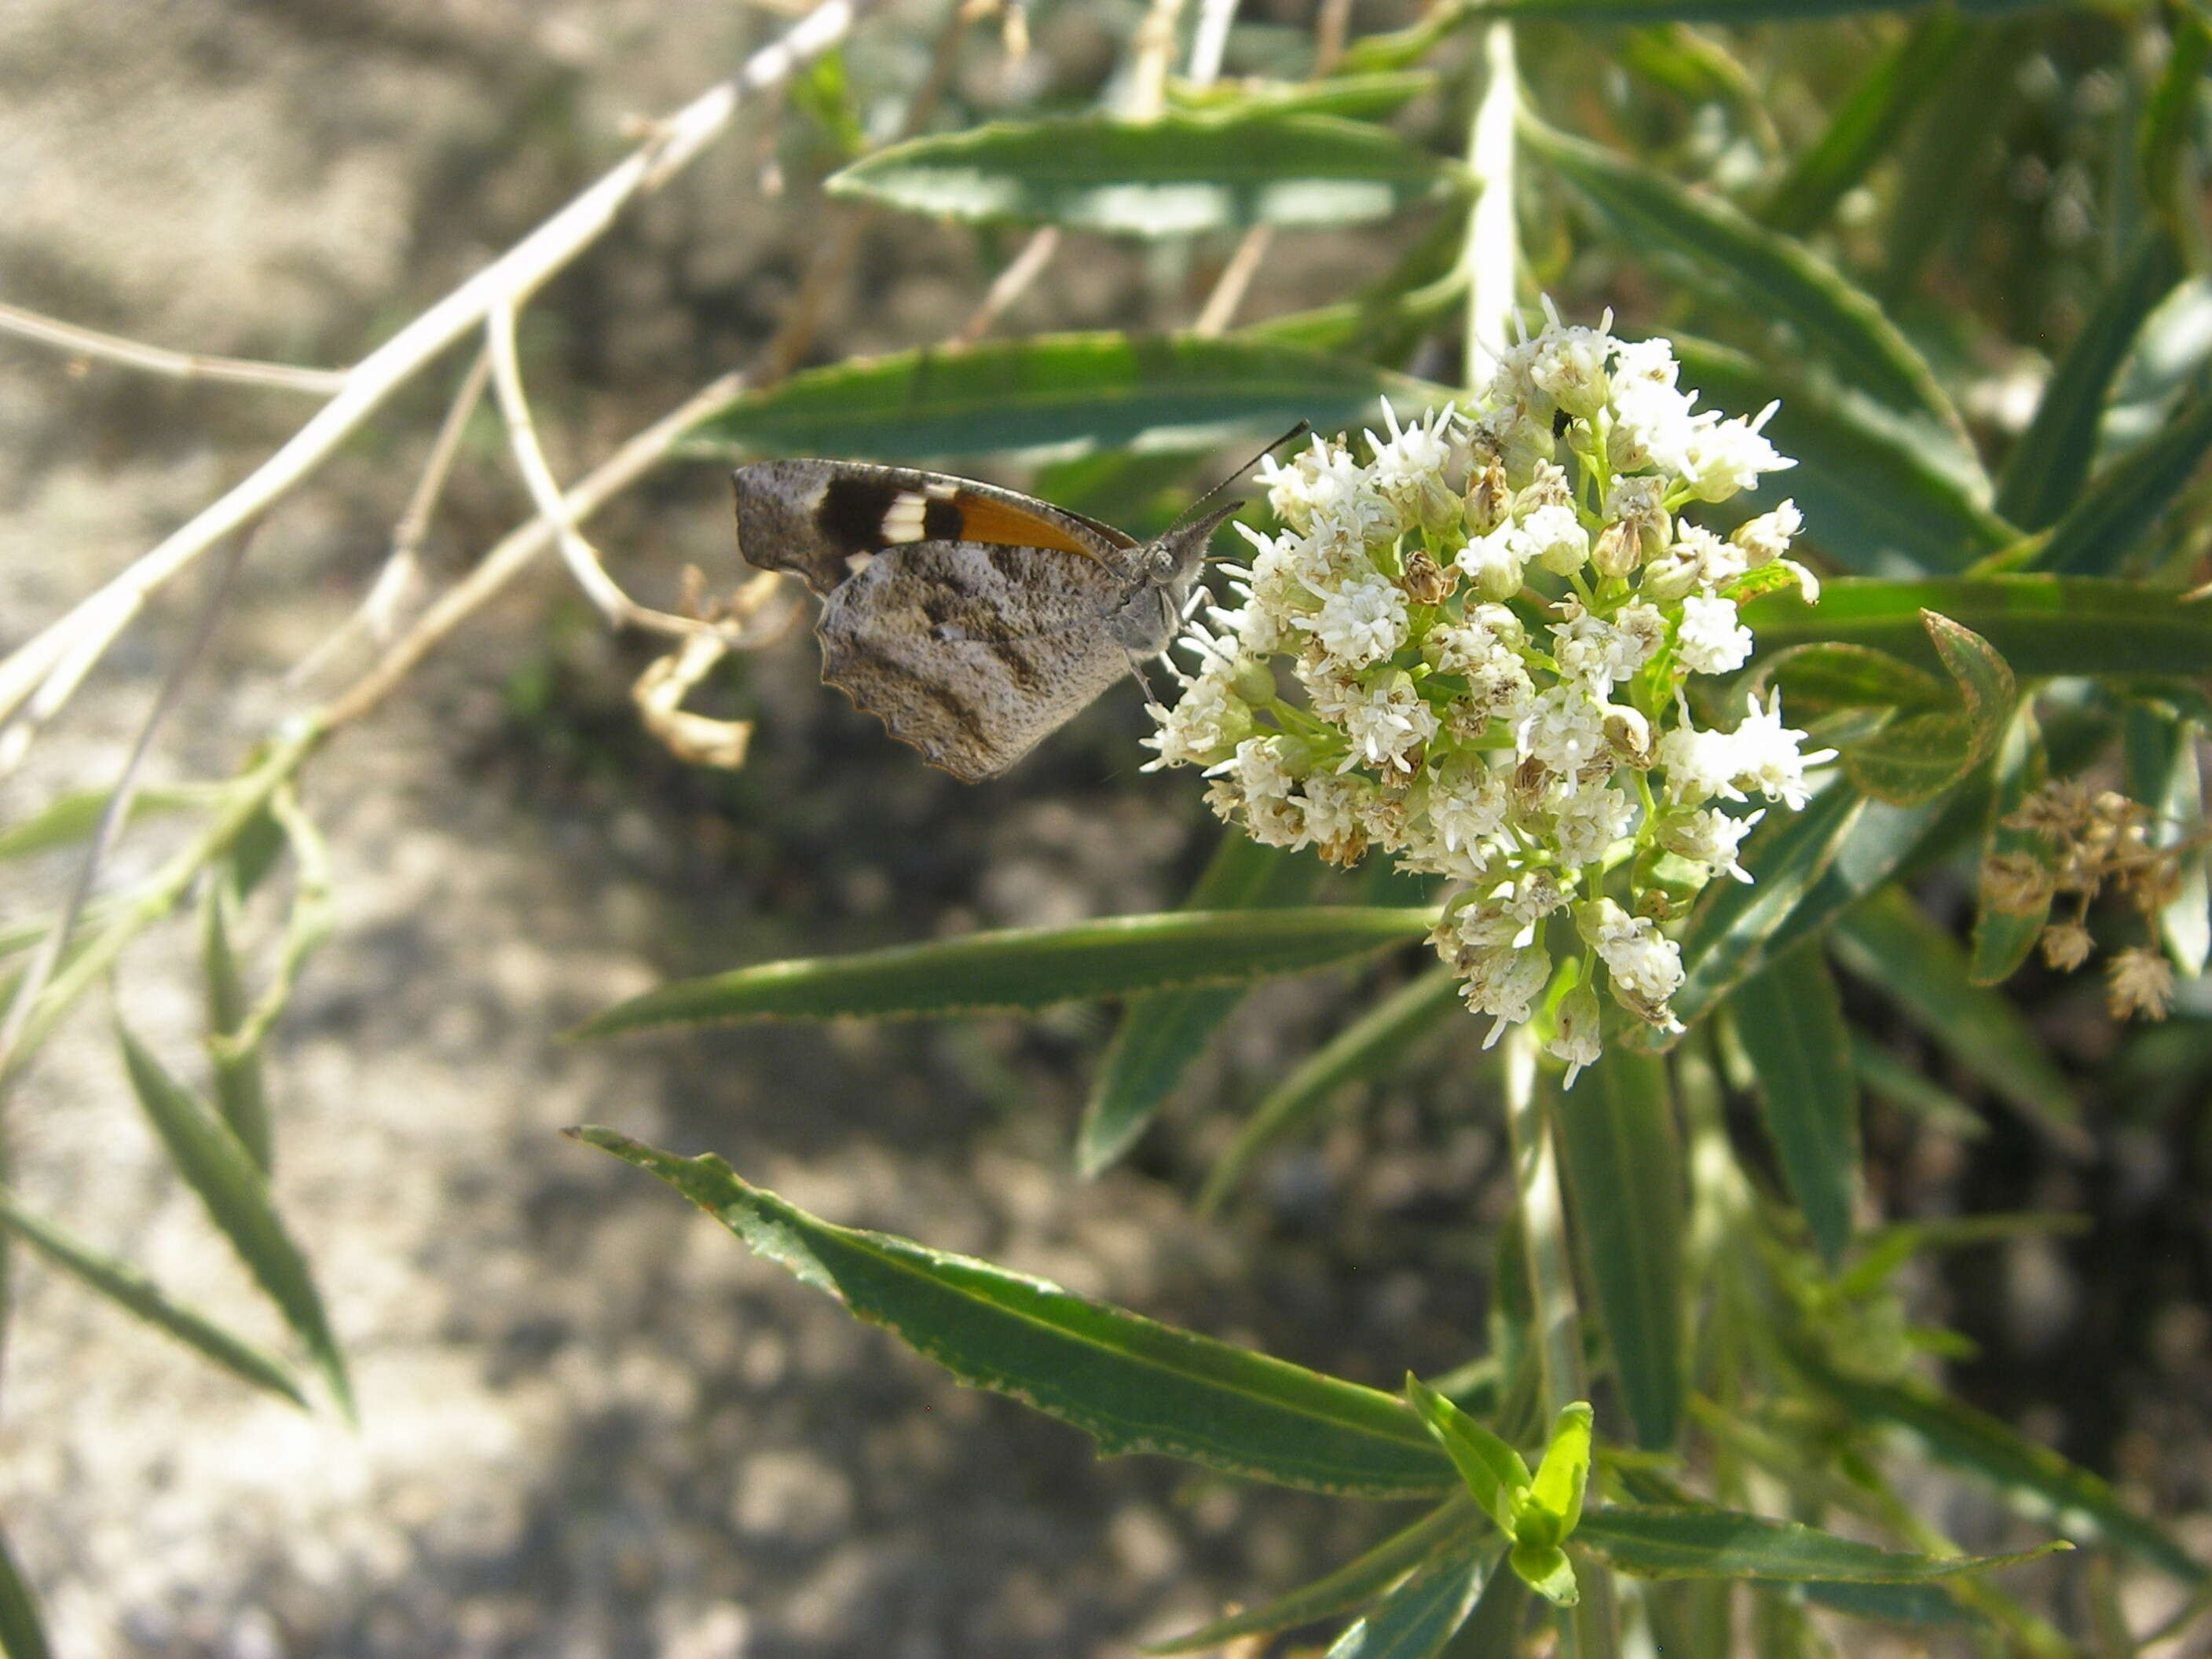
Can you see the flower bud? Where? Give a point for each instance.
(1616, 552)
(1487, 496)
(1629, 736)
(1672, 578)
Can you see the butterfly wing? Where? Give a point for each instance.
(972, 652)
(821, 520)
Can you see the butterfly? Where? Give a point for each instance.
(973, 621)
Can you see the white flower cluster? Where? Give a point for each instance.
(1471, 651)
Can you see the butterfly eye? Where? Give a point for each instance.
(1163, 564)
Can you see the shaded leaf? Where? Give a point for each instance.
(1623, 1158)
(1952, 145)
(239, 1091)
(1790, 1021)
(218, 1168)
(1921, 756)
(1821, 680)
(1493, 1630)
(2045, 471)
(1698, 1542)
(1884, 840)
(1131, 1385)
(1888, 941)
(1368, 1046)
(22, 1632)
(1053, 392)
(1178, 175)
(1876, 486)
(1417, 1618)
(1893, 1604)
(2035, 1480)
(2109, 518)
(1781, 279)
(1351, 1586)
(2162, 136)
(1865, 124)
(2003, 938)
(125, 1285)
(2041, 625)
(1885, 1074)
(1028, 967)
(1161, 1032)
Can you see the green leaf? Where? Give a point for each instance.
(1493, 1630)
(124, 1285)
(239, 1094)
(2045, 471)
(219, 1169)
(1162, 1032)
(2041, 625)
(2036, 1481)
(1698, 1542)
(1876, 486)
(1885, 1074)
(1178, 175)
(1883, 841)
(1351, 1586)
(1889, 942)
(1865, 124)
(2003, 938)
(1790, 1021)
(1028, 967)
(1053, 392)
(1131, 1385)
(1355, 97)
(1784, 857)
(1779, 278)
(1563, 1474)
(22, 1632)
(1624, 1165)
(1417, 1618)
(1545, 1570)
(2123, 501)
(1923, 1605)
(71, 817)
(2162, 773)
(1490, 1469)
(1922, 755)
(1819, 681)
(1369, 1046)
(2162, 137)
(1952, 145)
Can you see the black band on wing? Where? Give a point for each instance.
(850, 514)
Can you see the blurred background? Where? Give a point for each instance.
(592, 1424)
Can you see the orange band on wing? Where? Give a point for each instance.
(983, 519)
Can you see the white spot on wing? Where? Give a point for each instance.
(904, 518)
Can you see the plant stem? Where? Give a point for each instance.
(1492, 255)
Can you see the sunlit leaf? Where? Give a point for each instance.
(72, 817)
(1781, 279)
(1028, 967)
(2163, 775)
(1712, 1543)
(1790, 1021)
(1355, 97)
(1492, 1472)
(1617, 1140)
(1178, 175)
(126, 1286)
(1417, 1618)
(1131, 1385)
(2045, 472)
(1375, 1042)
(219, 1169)
(1053, 392)
(1161, 1032)
(239, 1094)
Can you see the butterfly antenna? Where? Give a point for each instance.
(1197, 508)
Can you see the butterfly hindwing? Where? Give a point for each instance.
(973, 652)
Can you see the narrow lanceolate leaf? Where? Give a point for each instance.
(1889, 941)
(1623, 1162)
(236, 1195)
(1893, 1604)
(1417, 1618)
(71, 817)
(1697, 1542)
(1952, 145)
(22, 1632)
(1878, 487)
(1369, 1046)
(1028, 967)
(1781, 279)
(2048, 466)
(239, 1091)
(2041, 625)
(1865, 124)
(2035, 1480)
(2163, 775)
(1493, 1630)
(1819, 681)
(1053, 392)
(2003, 938)
(1921, 756)
(1903, 1087)
(123, 1283)
(1790, 1022)
(1491, 1471)
(2122, 504)
(1357, 97)
(1351, 1587)
(2162, 134)
(1131, 1384)
(1178, 175)
(1162, 1032)
(1881, 842)
(1784, 857)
